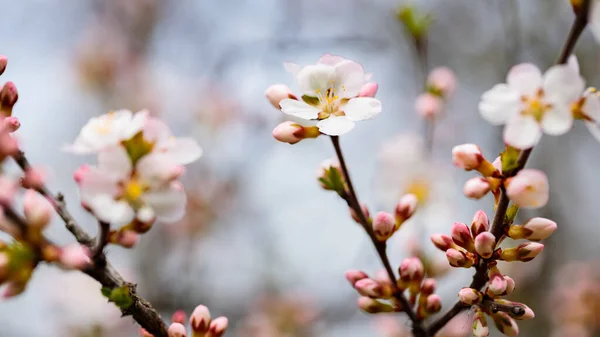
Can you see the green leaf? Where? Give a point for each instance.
(121, 297)
(511, 214)
(509, 159)
(106, 291)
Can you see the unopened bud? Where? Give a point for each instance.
(497, 284)
(37, 209)
(429, 106)
(470, 296)
(8, 98)
(200, 319)
(11, 123)
(355, 275)
(480, 223)
(406, 207)
(277, 93)
(292, 133)
(75, 256)
(365, 211)
(523, 252)
(467, 156)
(510, 285)
(529, 188)
(177, 330)
(330, 175)
(81, 173)
(368, 89)
(8, 144)
(457, 258)
(428, 286)
(218, 327)
(519, 310)
(534, 229)
(505, 324)
(3, 63)
(383, 226)
(434, 304)
(442, 80)
(368, 287)
(179, 316)
(34, 178)
(480, 326)
(411, 270)
(484, 244)
(373, 306)
(461, 235)
(476, 188)
(443, 242)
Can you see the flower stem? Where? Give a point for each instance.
(380, 247)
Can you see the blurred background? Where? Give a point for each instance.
(262, 244)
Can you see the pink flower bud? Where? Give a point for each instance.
(288, 132)
(8, 145)
(37, 209)
(75, 256)
(127, 238)
(470, 296)
(443, 80)
(467, 156)
(476, 188)
(11, 123)
(3, 63)
(457, 258)
(429, 106)
(480, 327)
(510, 285)
(369, 89)
(524, 312)
(434, 304)
(200, 319)
(497, 284)
(523, 252)
(442, 241)
(355, 275)
(80, 173)
(8, 98)
(506, 324)
(177, 330)
(34, 178)
(411, 269)
(373, 306)
(480, 223)
(406, 207)
(277, 93)
(428, 286)
(8, 189)
(365, 211)
(368, 287)
(383, 226)
(534, 229)
(461, 235)
(217, 327)
(484, 244)
(179, 316)
(529, 189)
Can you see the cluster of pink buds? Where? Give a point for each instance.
(477, 247)
(441, 84)
(201, 324)
(377, 294)
(528, 188)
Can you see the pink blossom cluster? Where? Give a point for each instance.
(201, 324)
(441, 84)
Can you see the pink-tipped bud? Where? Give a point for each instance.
(144, 333)
(373, 306)
(510, 285)
(369, 89)
(368, 287)
(529, 189)
(75, 256)
(80, 173)
(428, 286)
(37, 209)
(292, 133)
(534, 229)
(218, 327)
(11, 123)
(520, 311)
(384, 225)
(470, 296)
(406, 207)
(200, 319)
(476, 188)
(34, 178)
(127, 238)
(179, 316)
(523, 252)
(429, 106)
(177, 330)
(460, 259)
(277, 93)
(329, 170)
(355, 275)
(506, 324)
(3, 63)
(8, 144)
(433, 304)
(442, 80)
(484, 244)
(461, 235)
(497, 283)
(443, 242)
(480, 326)
(8, 98)
(365, 211)
(467, 156)
(411, 270)
(480, 223)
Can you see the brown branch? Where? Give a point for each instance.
(98, 250)
(103, 272)
(380, 247)
(498, 225)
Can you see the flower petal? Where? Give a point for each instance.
(156, 130)
(499, 104)
(558, 120)
(594, 129)
(522, 132)
(330, 60)
(292, 68)
(168, 204)
(335, 126)
(94, 182)
(315, 79)
(573, 63)
(136, 125)
(361, 108)
(591, 106)
(156, 169)
(182, 151)
(299, 109)
(115, 160)
(349, 79)
(525, 78)
(563, 84)
(115, 212)
(594, 19)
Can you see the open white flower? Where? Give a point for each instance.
(529, 102)
(117, 193)
(107, 130)
(330, 92)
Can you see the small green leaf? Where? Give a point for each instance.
(511, 214)
(121, 297)
(106, 291)
(509, 159)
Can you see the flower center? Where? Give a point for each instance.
(420, 188)
(535, 106)
(577, 106)
(133, 190)
(329, 101)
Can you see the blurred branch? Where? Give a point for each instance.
(98, 250)
(140, 309)
(498, 225)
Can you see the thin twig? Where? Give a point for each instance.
(140, 309)
(498, 225)
(98, 250)
(353, 203)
